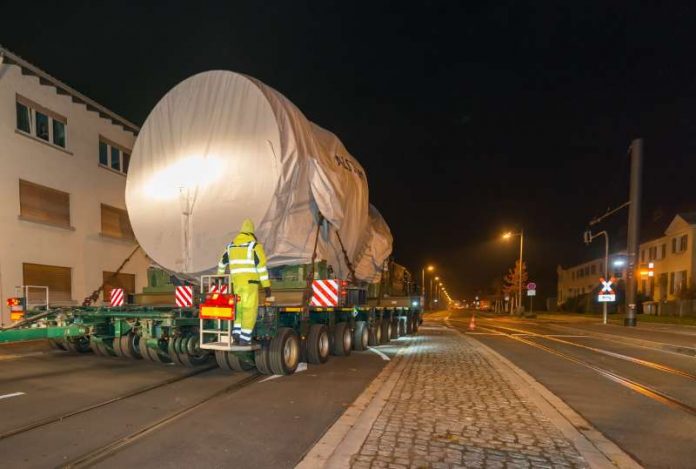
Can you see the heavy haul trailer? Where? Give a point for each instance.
(283, 336)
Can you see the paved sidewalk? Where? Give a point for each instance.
(452, 407)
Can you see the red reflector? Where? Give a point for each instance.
(13, 302)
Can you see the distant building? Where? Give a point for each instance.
(665, 265)
(64, 164)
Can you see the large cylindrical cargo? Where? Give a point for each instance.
(221, 147)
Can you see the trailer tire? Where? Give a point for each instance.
(361, 336)
(129, 346)
(386, 331)
(284, 352)
(375, 337)
(172, 345)
(79, 345)
(261, 360)
(318, 344)
(97, 348)
(57, 344)
(221, 359)
(117, 347)
(343, 340)
(189, 352)
(237, 364)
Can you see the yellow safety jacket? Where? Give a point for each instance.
(246, 261)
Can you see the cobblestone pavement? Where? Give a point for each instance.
(451, 408)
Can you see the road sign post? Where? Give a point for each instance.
(606, 294)
(531, 293)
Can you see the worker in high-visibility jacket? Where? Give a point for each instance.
(247, 265)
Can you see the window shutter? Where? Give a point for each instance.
(57, 279)
(44, 204)
(125, 281)
(115, 222)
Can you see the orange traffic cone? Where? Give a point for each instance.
(472, 323)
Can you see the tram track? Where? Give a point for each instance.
(67, 415)
(103, 452)
(640, 388)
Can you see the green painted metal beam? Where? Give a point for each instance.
(37, 333)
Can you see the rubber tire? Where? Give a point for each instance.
(81, 345)
(129, 346)
(375, 334)
(221, 359)
(395, 328)
(342, 340)
(190, 353)
(261, 360)
(96, 348)
(314, 352)
(386, 329)
(236, 364)
(171, 349)
(117, 347)
(361, 336)
(276, 356)
(57, 344)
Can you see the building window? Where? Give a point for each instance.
(652, 253)
(125, 281)
(671, 283)
(57, 279)
(39, 122)
(43, 204)
(681, 281)
(593, 269)
(663, 251)
(683, 242)
(642, 255)
(115, 223)
(113, 156)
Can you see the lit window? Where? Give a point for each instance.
(39, 122)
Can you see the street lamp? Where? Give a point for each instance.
(429, 268)
(507, 236)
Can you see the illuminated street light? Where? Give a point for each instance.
(507, 236)
(429, 268)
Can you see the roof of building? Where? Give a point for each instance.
(7, 56)
(689, 217)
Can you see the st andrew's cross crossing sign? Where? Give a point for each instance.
(607, 294)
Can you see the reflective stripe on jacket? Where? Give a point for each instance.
(246, 261)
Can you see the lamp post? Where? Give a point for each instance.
(509, 235)
(431, 291)
(429, 268)
(589, 237)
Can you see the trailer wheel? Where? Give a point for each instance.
(129, 346)
(78, 345)
(375, 337)
(237, 363)
(361, 336)
(343, 339)
(284, 352)
(221, 359)
(98, 347)
(386, 330)
(117, 347)
(171, 349)
(261, 360)
(191, 354)
(318, 344)
(57, 344)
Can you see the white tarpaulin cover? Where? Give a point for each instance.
(221, 147)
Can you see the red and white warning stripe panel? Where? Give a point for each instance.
(218, 289)
(324, 293)
(183, 296)
(117, 297)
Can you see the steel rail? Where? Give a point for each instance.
(97, 455)
(137, 392)
(621, 356)
(635, 386)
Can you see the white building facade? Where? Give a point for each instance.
(665, 265)
(63, 160)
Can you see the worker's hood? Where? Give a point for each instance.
(247, 226)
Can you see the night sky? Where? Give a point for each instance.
(470, 118)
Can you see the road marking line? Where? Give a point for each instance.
(384, 357)
(14, 394)
(302, 366)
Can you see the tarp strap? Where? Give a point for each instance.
(307, 295)
(345, 257)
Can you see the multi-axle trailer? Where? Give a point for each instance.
(284, 335)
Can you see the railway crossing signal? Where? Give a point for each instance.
(607, 294)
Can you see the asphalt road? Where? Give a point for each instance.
(586, 371)
(240, 419)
